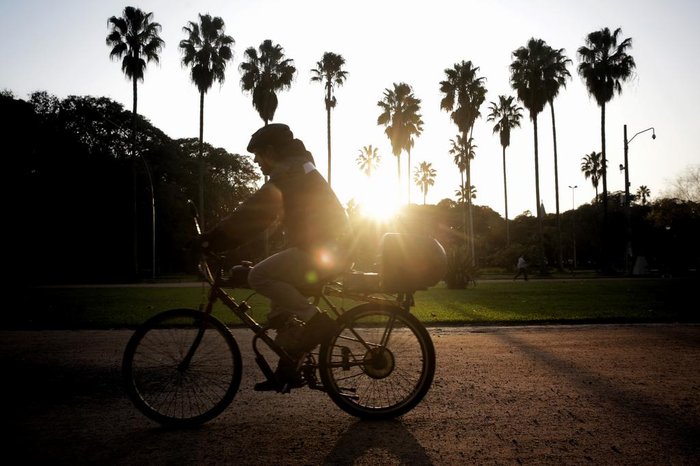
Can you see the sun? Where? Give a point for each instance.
(378, 200)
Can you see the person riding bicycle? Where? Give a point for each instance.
(316, 230)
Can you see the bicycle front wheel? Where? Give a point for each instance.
(380, 365)
(182, 367)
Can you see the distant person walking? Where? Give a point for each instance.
(522, 268)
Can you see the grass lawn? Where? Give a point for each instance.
(490, 302)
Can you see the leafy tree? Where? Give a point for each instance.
(463, 94)
(206, 50)
(529, 80)
(402, 120)
(329, 71)
(265, 72)
(507, 116)
(592, 167)
(604, 65)
(424, 177)
(687, 186)
(368, 159)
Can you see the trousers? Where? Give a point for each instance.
(280, 276)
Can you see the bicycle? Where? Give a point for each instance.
(182, 367)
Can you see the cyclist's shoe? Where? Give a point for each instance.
(286, 375)
(317, 330)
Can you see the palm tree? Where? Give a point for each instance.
(556, 76)
(402, 120)
(604, 64)
(529, 81)
(464, 93)
(206, 50)
(368, 159)
(134, 38)
(507, 116)
(329, 69)
(424, 177)
(461, 194)
(264, 73)
(592, 167)
(643, 192)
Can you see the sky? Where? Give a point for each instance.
(59, 47)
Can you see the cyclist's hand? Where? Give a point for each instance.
(198, 245)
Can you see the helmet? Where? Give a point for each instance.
(275, 134)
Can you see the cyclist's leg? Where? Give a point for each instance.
(278, 278)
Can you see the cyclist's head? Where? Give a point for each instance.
(275, 135)
(274, 143)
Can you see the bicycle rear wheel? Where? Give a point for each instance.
(182, 367)
(380, 365)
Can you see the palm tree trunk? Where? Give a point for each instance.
(135, 250)
(537, 196)
(604, 239)
(200, 159)
(505, 196)
(556, 186)
(408, 176)
(464, 211)
(398, 174)
(328, 131)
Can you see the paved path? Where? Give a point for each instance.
(502, 395)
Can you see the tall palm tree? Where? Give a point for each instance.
(134, 37)
(329, 71)
(264, 72)
(424, 177)
(529, 81)
(206, 50)
(507, 116)
(368, 159)
(464, 93)
(643, 193)
(556, 76)
(604, 65)
(592, 167)
(401, 118)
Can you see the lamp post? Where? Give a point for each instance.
(628, 247)
(573, 220)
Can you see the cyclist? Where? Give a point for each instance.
(316, 229)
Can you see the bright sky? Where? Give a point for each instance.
(60, 47)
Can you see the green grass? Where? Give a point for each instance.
(490, 302)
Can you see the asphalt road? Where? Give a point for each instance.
(589, 394)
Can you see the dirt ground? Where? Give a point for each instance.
(593, 394)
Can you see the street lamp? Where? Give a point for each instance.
(573, 220)
(628, 249)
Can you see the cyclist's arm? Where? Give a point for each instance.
(248, 220)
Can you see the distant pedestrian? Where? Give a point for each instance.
(522, 268)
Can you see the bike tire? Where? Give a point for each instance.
(161, 387)
(373, 383)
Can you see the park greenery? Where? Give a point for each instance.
(101, 192)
